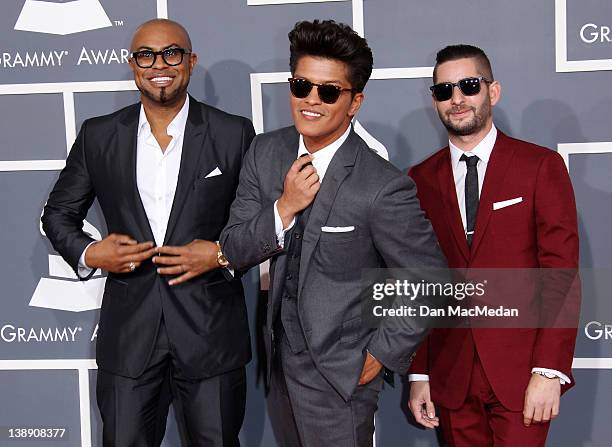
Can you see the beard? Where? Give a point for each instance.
(165, 96)
(467, 127)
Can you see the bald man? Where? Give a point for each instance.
(173, 320)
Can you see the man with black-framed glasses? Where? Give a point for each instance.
(495, 202)
(173, 324)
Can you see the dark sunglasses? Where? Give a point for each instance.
(328, 93)
(171, 56)
(468, 86)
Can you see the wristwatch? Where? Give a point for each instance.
(221, 259)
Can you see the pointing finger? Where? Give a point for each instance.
(123, 239)
(528, 415)
(174, 270)
(134, 249)
(169, 260)
(181, 279)
(170, 250)
(145, 254)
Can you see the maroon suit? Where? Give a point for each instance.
(539, 232)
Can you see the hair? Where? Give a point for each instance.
(463, 51)
(331, 40)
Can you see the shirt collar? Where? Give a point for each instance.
(328, 151)
(176, 126)
(482, 150)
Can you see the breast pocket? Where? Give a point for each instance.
(345, 251)
(209, 179)
(513, 219)
(340, 234)
(212, 196)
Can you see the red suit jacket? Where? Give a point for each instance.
(539, 232)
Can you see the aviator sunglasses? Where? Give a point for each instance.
(328, 93)
(468, 86)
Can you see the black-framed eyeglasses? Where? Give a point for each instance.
(171, 56)
(468, 86)
(328, 93)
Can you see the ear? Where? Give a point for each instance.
(494, 92)
(355, 104)
(193, 60)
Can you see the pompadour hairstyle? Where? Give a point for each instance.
(332, 40)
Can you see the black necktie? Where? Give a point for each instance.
(471, 195)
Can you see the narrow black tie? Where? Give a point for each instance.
(471, 195)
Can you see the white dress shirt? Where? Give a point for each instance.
(156, 174)
(483, 151)
(322, 159)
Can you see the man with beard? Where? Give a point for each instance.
(173, 317)
(494, 202)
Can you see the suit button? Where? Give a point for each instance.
(289, 277)
(298, 235)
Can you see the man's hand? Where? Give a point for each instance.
(188, 261)
(118, 253)
(299, 190)
(371, 368)
(541, 400)
(421, 406)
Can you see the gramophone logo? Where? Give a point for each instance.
(62, 18)
(63, 290)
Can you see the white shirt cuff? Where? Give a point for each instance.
(563, 379)
(278, 227)
(83, 269)
(418, 378)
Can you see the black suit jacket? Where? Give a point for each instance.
(205, 317)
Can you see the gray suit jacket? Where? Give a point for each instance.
(359, 189)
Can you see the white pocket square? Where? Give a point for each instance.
(505, 203)
(337, 229)
(214, 173)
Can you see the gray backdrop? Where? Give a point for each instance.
(63, 61)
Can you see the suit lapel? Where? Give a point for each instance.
(287, 156)
(127, 141)
(196, 141)
(494, 178)
(448, 193)
(339, 168)
(289, 153)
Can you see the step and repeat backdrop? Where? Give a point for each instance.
(64, 61)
